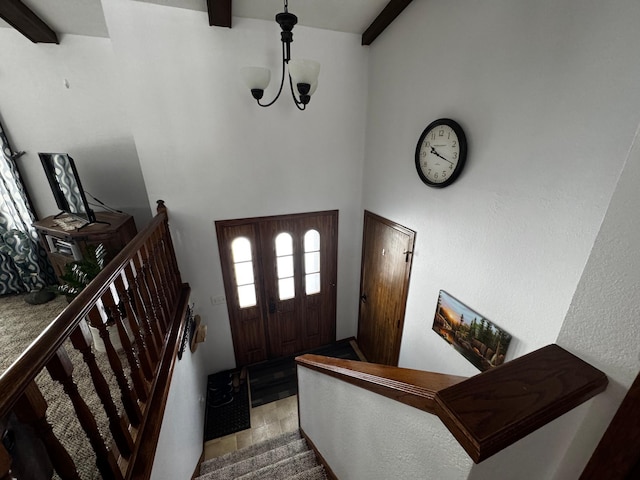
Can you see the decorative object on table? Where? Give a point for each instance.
(79, 273)
(302, 73)
(77, 276)
(478, 340)
(441, 153)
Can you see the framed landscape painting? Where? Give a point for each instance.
(479, 340)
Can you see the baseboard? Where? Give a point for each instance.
(327, 468)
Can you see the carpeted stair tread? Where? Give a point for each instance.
(255, 463)
(284, 469)
(315, 473)
(253, 450)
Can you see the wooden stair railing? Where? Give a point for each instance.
(141, 296)
(490, 411)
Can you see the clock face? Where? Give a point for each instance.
(441, 153)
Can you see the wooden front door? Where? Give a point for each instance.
(384, 283)
(280, 283)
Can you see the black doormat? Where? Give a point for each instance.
(276, 379)
(227, 408)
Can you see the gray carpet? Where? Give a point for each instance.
(284, 457)
(20, 324)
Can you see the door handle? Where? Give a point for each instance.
(363, 298)
(272, 306)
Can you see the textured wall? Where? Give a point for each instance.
(547, 93)
(602, 322)
(363, 435)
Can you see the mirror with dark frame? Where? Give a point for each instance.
(66, 187)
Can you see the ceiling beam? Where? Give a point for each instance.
(20, 17)
(382, 21)
(219, 13)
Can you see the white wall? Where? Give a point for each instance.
(601, 325)
(87, 120)
(363, 435)
(180, 443)
(212, 154)
(547, 93)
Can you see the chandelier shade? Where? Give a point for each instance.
(256, 77)
(304, 71)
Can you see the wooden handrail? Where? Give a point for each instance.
(141, 462)
(490, 411)
(17, 377)
(412, 387)
(141, 285)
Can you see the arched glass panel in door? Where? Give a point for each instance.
(312, 262)
(284, 266)
(243, 269)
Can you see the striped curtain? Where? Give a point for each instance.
(23, 262)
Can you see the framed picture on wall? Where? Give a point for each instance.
(478, 340)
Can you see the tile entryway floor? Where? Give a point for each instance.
(267, 421)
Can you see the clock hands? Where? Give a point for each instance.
(433, 150)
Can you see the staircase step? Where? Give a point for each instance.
(286, 468)
(315, 473)
(253, 450)
(257, 462)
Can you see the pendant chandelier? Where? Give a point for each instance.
(302, 73)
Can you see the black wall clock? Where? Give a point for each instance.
(441, 153)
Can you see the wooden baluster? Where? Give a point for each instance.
(31, 410)
(81, 340)
(147, 299)
(156, 286)
(152, 256)
(144, 318)
(126, 297)
(5, 463)
(153, 287)
(162, 292)
(167, 296)
(162, 265)
(61, 369)
(139, 386)
(161, 208)
(129, 401)
(170, 257)
(165, 266)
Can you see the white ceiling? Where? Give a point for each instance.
(85, 17)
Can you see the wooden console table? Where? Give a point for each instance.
(113, 230)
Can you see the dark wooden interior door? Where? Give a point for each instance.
(280, 283)
(384, 283)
